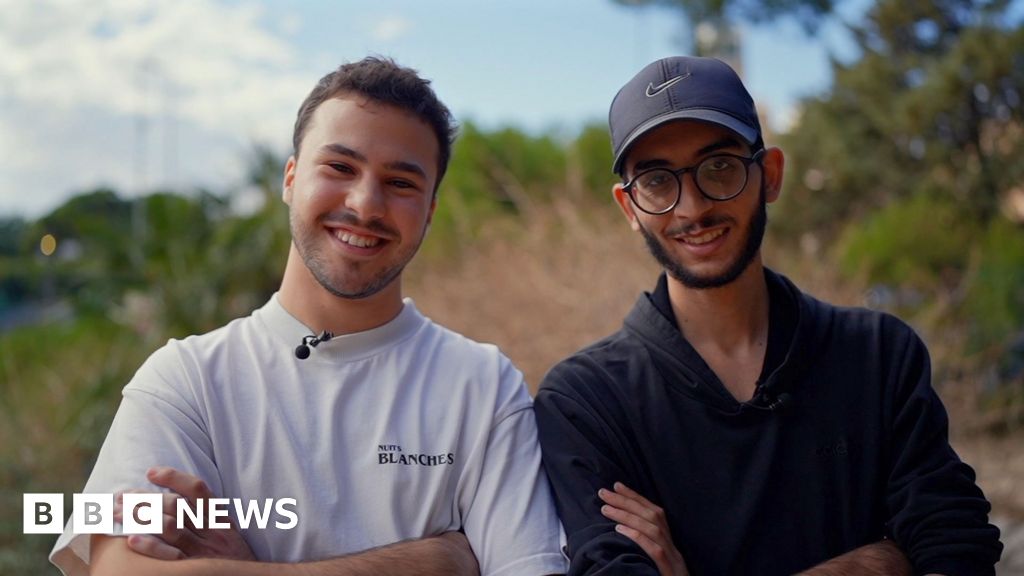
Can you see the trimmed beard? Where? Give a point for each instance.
(306, 244)
(688, 278)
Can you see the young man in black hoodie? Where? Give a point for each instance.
(735, 425)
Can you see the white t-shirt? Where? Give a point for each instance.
(404, 431)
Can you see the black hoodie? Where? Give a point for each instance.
(857, 450)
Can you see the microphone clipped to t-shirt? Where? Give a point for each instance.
(309, 342)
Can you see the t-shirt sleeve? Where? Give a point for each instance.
(159, 423)
(510, 520)
(581, 456)
(938, 515)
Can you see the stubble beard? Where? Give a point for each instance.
(309, 245)
(755, 235)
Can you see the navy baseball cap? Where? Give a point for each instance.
(677, 88)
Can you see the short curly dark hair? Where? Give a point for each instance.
(382, 80)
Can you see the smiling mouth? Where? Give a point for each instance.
(356, 240)
(703, 238)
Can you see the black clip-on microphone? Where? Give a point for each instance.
(311, 341)
(781, 402)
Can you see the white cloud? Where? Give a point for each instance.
(391, 28)
(213, 62)
(289, 24)
(218, 69)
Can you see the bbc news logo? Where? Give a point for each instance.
(94, 513)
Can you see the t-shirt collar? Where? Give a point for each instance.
(290, 331)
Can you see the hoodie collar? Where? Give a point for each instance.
(685, 371)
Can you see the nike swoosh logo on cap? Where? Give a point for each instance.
(653, 90)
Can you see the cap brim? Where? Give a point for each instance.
(748, 133)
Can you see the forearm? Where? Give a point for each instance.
(438, 556)
(879, 559)
(429, 556)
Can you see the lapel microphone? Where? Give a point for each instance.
(781, 402)
(312, 341)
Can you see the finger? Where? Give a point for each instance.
(633, 521)
(170, 507)
(639, 506)
(189, 486)
(119, 502)
(119, 495)
(154, 547)
(182, 538)
(650, 547)
(628, 492)
(614, 498)
(170, 502)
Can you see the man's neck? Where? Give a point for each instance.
(305, 299)
(727, 326)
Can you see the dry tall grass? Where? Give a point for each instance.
(543, 286)
(540, 289)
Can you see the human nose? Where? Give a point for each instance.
(365, 198)
(692, 202)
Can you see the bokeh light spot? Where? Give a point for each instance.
(48, 245)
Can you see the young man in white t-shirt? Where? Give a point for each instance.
(405, 447)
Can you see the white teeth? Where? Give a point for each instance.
(704, 238)
(355, 240)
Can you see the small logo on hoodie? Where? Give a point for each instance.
(833, 449)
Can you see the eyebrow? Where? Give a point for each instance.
(723, 144)
(343, 151)
(400, 165)
(410, 167)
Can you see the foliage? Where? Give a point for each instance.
(93, 262)
(902, 167)
(593, 154)
(807, 12)
(934, 105)
(916, 243)
(59, 387)
(11, 231)
(995, 296)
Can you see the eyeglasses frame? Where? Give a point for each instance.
(747, 161)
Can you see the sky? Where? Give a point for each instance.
(139, 95)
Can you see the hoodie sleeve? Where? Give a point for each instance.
(582, 454)
(938, 515)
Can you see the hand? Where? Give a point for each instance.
(188, 541)
(645, 524)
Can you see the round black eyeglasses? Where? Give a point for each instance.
(720, 177)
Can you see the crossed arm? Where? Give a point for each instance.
(582, 469)
(439, 555)
(644, 523)
(223, 552)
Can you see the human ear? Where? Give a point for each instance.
(626, 205)
(289, 180)
(773, 166)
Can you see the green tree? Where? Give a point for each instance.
(94, 259)
(15, 280)
(695, 11)
(901, 167)
(246, 257)
(934, 105)
(719, 17)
